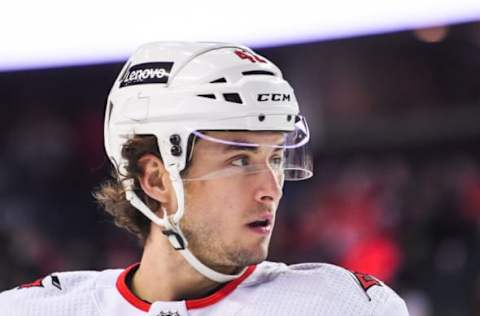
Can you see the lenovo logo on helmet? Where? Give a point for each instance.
(275, 97)
(146, 73)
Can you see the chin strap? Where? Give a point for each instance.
(172, 228)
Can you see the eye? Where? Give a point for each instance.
(241, 161)
(276, 161)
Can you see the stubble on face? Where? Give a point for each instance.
(217, 211)
(206, 237)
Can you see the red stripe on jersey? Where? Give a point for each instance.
(220, 294)
(127, 294)
(191, 304)
(366, 280)
(37, 283)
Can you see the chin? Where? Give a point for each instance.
(258, 260)
(249, 257)
(239, 262)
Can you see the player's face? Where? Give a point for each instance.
(229, 218)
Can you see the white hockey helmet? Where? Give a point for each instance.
(176, 90)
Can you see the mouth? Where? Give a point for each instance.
(262, 225)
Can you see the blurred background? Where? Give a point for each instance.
(395, 119)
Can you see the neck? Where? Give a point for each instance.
(164, 275)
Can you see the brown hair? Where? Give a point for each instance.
(111, 194)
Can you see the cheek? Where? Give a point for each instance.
(231, 193)
(218, 198)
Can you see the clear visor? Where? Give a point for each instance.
(219, 154)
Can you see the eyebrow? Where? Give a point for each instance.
(254, 149)
(228, 148)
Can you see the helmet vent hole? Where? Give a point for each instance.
(219, 80)
(175, 139)
(261, 117)
(210, 96)
(176, 150)
(289, 118)
(232, 97)
(258, 72)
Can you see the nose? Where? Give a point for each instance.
(268, 186)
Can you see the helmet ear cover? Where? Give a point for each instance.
(138, 146)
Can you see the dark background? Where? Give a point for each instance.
(396, 192)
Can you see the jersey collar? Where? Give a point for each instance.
(128, 295)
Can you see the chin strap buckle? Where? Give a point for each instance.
(175, 239)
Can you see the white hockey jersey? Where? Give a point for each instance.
(266, 289)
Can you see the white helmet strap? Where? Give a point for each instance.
(172, 228)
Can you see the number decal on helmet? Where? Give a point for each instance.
(246, 55)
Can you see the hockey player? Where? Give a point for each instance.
(202, 137)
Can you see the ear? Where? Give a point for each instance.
(155, 182)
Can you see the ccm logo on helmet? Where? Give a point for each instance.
(146, 73)
(276, 97)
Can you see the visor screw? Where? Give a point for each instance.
(261, 117)
(176, 150)
(175, 139)
(289, 118)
